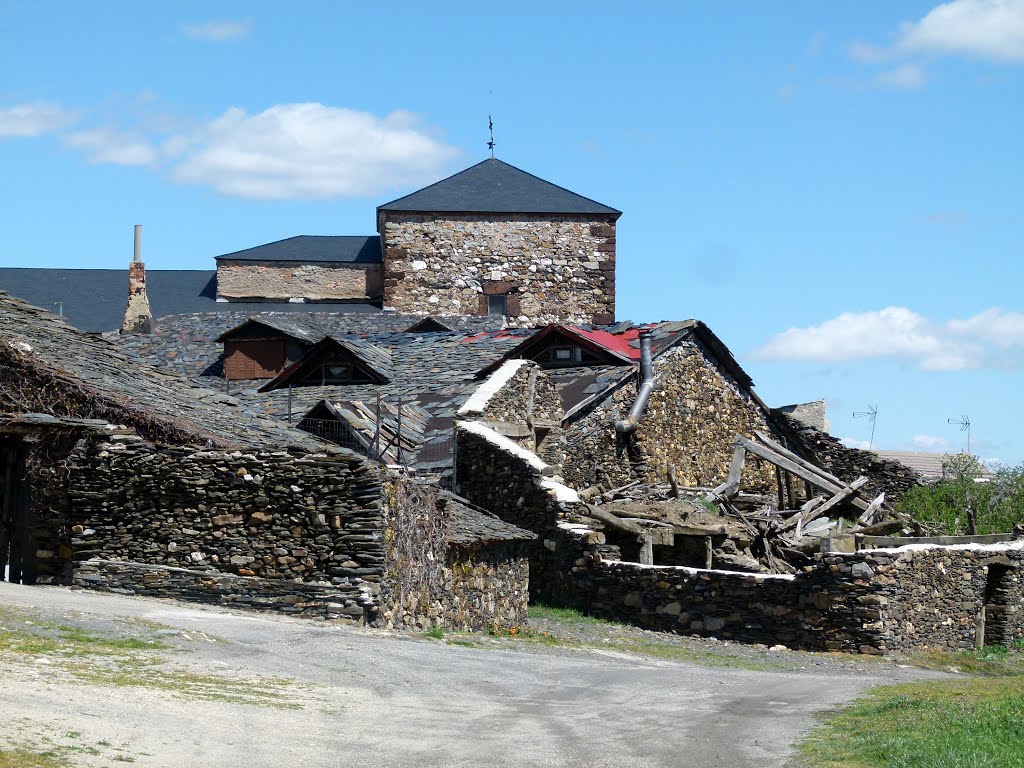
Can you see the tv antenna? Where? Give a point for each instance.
(965, 426)
(871, 414)
(490, 127)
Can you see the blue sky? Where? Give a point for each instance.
(835, 188)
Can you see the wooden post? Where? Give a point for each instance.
(646, 550)
(708, 548)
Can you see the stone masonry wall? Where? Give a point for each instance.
(869, 602)
(489, 584)
(691, 421)
(313, 282)
(520, 490)
(274, 516)
(529, 401)
(313, 601)
(554, 268)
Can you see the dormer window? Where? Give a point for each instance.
(567, 355)
(336, 372)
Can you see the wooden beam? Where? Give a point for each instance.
(843, 495)
(801, 468)
(873, 507)
(732, 480)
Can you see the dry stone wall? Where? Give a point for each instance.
(489, 585)
(276, 516)
(312, 601)
(312, 282)
(520, 490)
(553, 268)
(869, 602)
(691, 421)
(527, 408)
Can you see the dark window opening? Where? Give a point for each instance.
(336, 372)
(566, 355)
(497, 305)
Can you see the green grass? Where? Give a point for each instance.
(990, 661)
(539, 612)
(970, 723)
(19, 757)
(435, 633)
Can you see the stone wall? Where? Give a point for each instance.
(514, 484)
(691, 421)
(315, 601)
(489, 584)
(429, 582)
(520, 401)
(312, 282)
(869, 602)
(553, 268)
(850, 463)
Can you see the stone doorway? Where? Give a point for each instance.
(17, 551)
(998, 616)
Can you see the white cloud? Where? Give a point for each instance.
(308, 151)
(24, 120)
(862, 51)
(899, 333)
(988, 29)
(105, 146)
(217, 31)
(852, 442)
(930, 442)
(903, 76)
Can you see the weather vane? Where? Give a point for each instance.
(490, 127)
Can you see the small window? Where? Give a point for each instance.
(497, 305)
(562, 354)
(337, 373)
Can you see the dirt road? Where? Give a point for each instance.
(232, 688)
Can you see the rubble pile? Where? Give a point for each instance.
(723, 528)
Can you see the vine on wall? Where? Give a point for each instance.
(416, 546)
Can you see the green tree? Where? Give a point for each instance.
(968, 500)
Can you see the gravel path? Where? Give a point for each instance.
(234, 688)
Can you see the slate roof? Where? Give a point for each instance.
(377, 360)
(94, 300)
(188, 343)
(134, 391)
(494, 186)
(345, 249)
(472, 525)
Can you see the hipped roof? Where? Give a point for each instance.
(494, 186)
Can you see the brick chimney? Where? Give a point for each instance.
(138, 317)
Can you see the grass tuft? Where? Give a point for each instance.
(971, 723)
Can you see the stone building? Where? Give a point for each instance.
(119, 476)
(495, 240)
(918, 596)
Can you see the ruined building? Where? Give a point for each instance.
(389, 427)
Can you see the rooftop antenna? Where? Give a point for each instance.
(965, 426)
(871, 414)
(490, 127)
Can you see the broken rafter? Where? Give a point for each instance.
(804, 469)
(844, 495)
